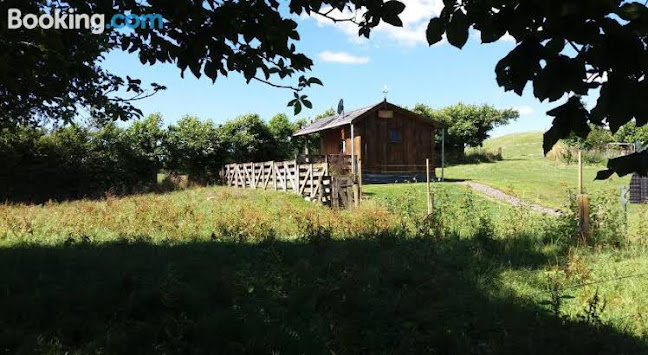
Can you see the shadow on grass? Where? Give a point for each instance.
(359, 296)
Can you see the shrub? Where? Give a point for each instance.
(72, 162)
(248, 139)
(481, 155)
(607, 220)
(593, 157)
(194, 148)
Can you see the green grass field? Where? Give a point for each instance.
(525, 172)
(225, 270)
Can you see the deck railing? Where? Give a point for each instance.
(311, 180)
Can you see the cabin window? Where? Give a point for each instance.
(394, 136)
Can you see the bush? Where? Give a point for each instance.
(607, 221)
(593, 157)
(73, 161)
(76, 162)
(194, 148)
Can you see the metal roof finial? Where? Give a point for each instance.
(385, 92)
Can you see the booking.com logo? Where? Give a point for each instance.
(69, 20)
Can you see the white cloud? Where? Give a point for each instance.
(342, 57)
(524, 110)
(415, 19)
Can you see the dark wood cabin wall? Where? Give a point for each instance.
(357, 132)
(330, 141)
(408, 155)
(375, 150)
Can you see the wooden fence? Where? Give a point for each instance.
(313, 181)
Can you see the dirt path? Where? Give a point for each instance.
(502, 196)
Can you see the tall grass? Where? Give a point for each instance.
(199, 214)
(229, 270)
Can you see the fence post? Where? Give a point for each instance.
(429, 198)
(356, 194)
(335, 198)
(583, 205)
(312, 186)
(253, 178)
(285, 176)
(274, 174)
(296, 177)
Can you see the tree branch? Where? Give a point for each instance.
(276, 85)
(334, 19)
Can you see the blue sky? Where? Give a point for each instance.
(354, 69)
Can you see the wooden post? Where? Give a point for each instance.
(427, 173)
(296, 177)
(580, 171)
(360, 177)
(312, 185)
(583, 205)
(356, 194)
(274, 174)
(353, 162)
(335, 198)
(583, 218)
(443, 154)
(253, 178)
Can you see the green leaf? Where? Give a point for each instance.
(393, 20)
(315, 81)
(555, 46)
(490, 33)
(210, 70)
(519, 66)
(394, 7)
(125, 43)
(632, 11)
(569, 117)
(298, 107)
(195, 68)
(435, 29)
(458, 29)
(627, 164)
(307, 103)
(604, 174)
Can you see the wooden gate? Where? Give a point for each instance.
(310, 180)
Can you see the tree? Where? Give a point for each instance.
(312, 141)
(38, 82)
(565, 48)
(467, 125)
(194, 147)
(247, 139)
(145, 138)
(282, 129)
(630, 133)
(597, 139)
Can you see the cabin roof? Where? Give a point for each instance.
(338, 120)
(333, 121)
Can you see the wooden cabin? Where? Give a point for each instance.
(387, 139)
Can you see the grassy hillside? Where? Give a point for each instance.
(526, 173)
(517, 145)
